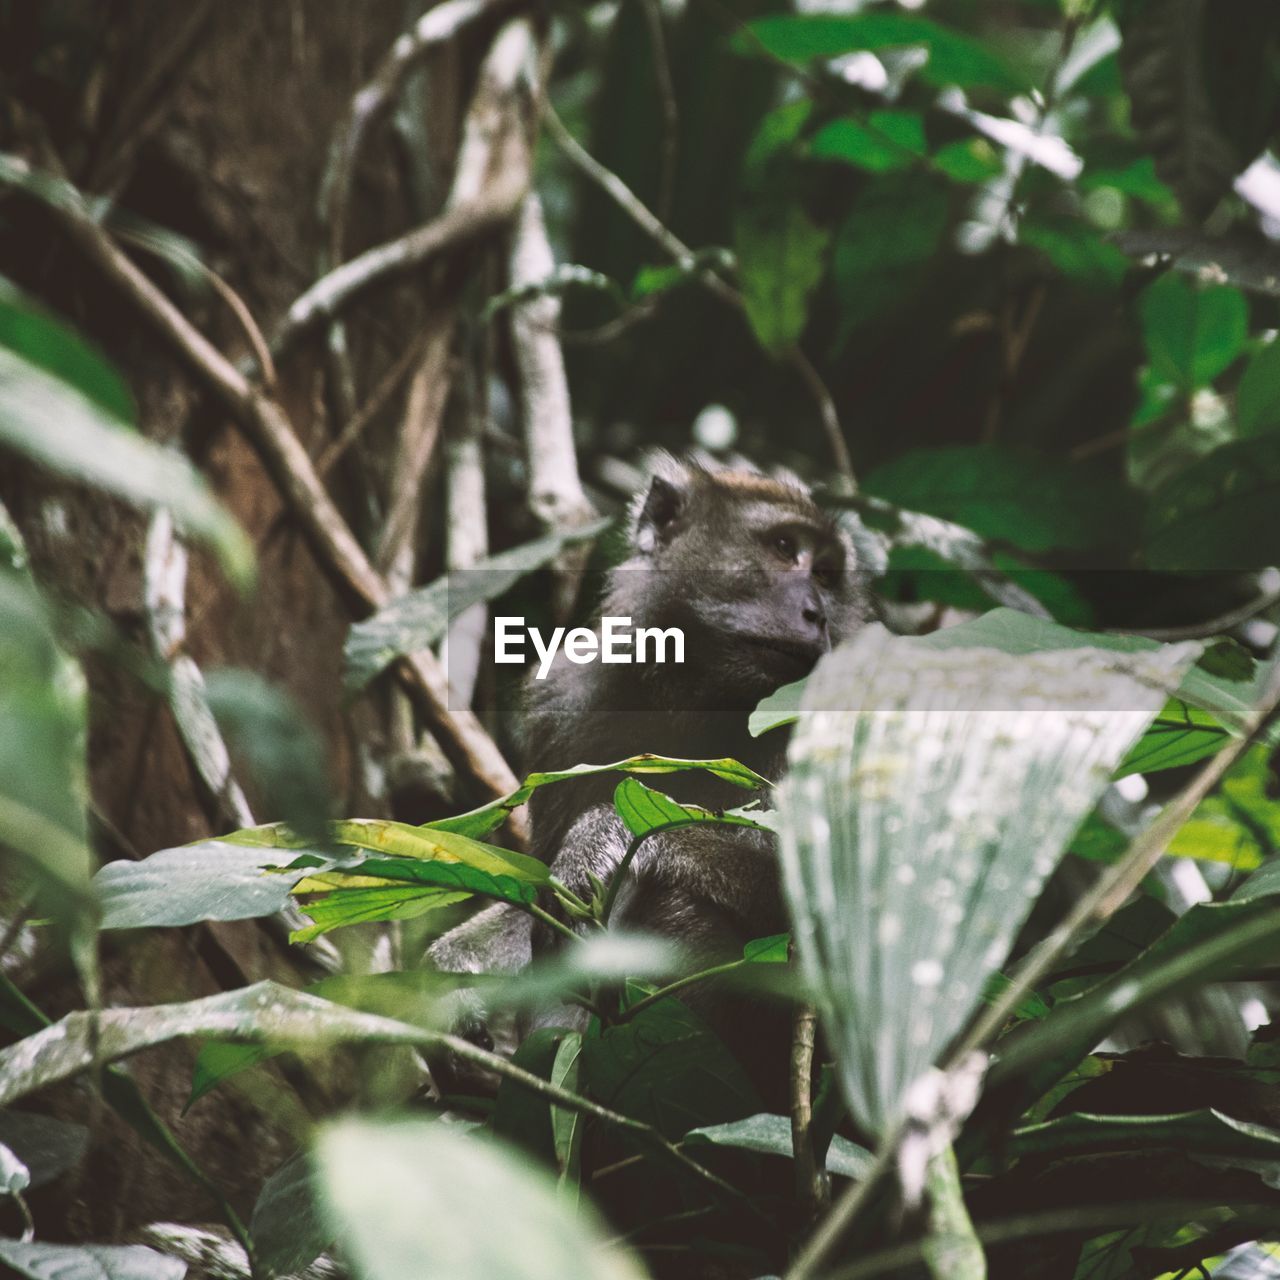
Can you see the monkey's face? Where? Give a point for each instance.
(761, 581)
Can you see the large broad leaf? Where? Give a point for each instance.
(71, 428)
(413, 1199)
(1191, 726)
(1031, 502)
(1258, 396)
(89, 1262)
(205, 881)
(1202, 89)
(954, 59)
(265, 1013)
(1219, 513)
(479, 822)
(930, 796)
(421, 618)
(414, 996)
(781, 257)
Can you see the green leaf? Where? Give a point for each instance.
(665, 1067)
(644, 811)
(968, 160)
(205, 881)
(1207, 1136)
(225, 879)
(567, 1126)
(289, 1232)
(363, 871)
(409, 996)
(27, 330)
(400, 840)
(366, 905)
(420, 619)
(89, 1262)
(1238, 824)
(1210, 942)
(770, 1135)
(779, 129)
(1179, 735)
(1029, 501)
(1192, 334)
(888, 140)
(1219, 513)
(883, 247)
(781, 258)
(914, 841)
(1258, 396)
(1228, 702)
(55, 424)
(42, 745)
(480, 822)
(412, 1198)
(954, 59)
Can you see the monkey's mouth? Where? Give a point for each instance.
(793, 656)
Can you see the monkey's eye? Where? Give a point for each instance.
(826, 575)
(785, 545)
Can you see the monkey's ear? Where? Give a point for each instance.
(658, 511)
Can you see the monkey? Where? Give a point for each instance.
(762, 582)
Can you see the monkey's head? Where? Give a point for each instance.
(762, 581)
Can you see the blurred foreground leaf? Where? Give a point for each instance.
(916, 839)
(411, 1198)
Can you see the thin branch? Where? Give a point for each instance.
(812, 1188)
(618, 191)
(454, 229)
(684, 256)
(467, 532)
(556, 496)
(234, 302)
(437, 25)
(1213, 626)
(408, 360)
(416, 443)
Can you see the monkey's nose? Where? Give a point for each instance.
(814, 614)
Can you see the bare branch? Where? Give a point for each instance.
(437, 25)
(454, 229)
(556, 496)
(643, 217)
(419, 432)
